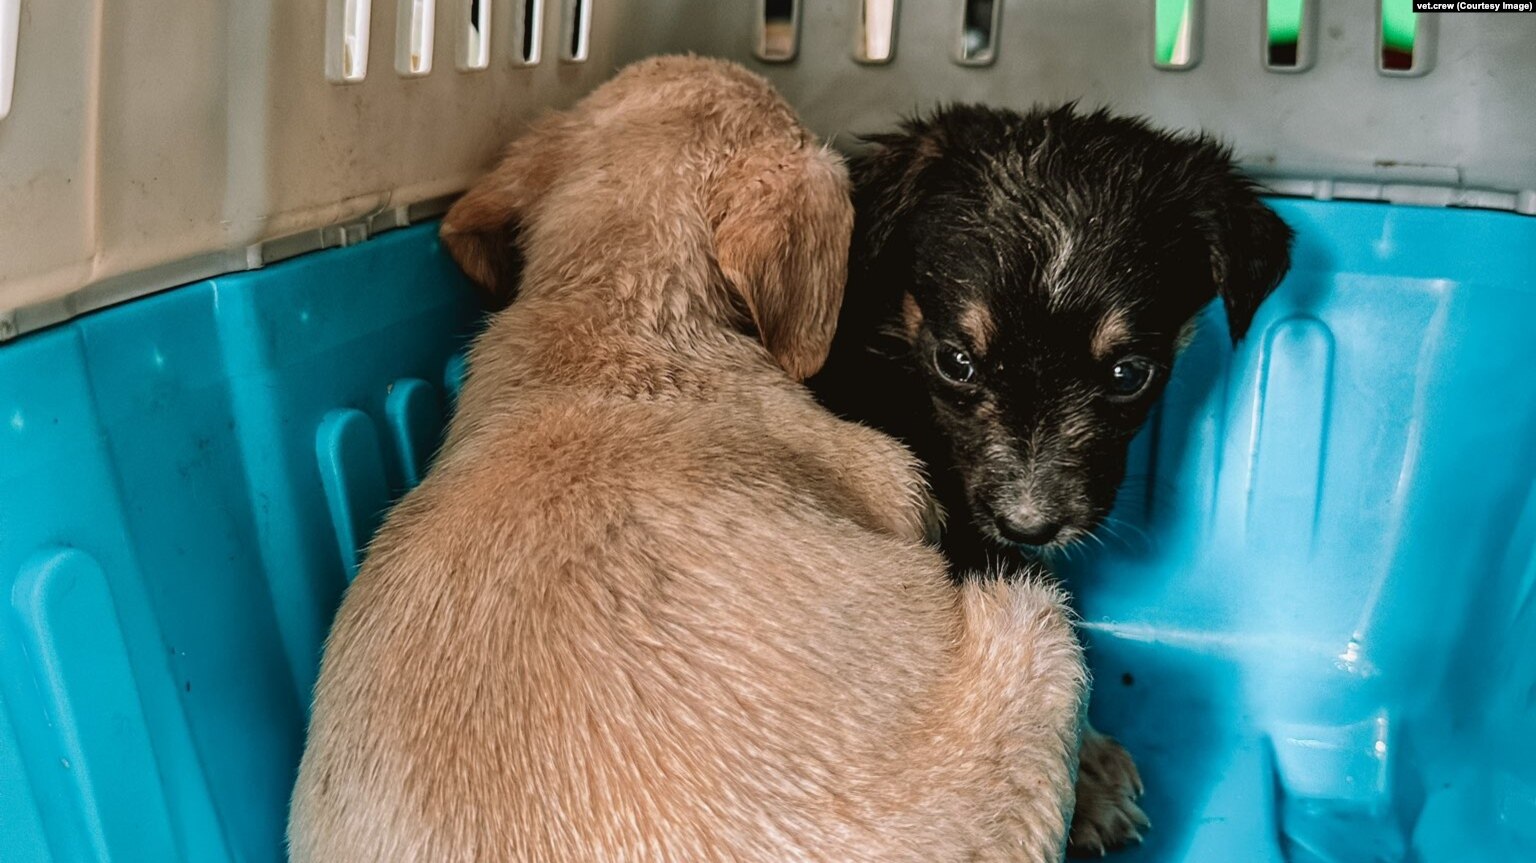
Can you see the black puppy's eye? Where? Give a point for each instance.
(1130, 377)
(954, 363)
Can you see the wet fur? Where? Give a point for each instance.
(653, 603)
(1048, 245)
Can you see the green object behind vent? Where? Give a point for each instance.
(1284, 20)
(1398, 24)
(1172, 30)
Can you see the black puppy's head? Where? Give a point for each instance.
(1040, 271)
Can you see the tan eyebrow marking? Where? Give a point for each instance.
(911, 317)
(976, 321)
(1113, 330)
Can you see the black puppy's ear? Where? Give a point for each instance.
(1250, 254)
(887, 184)
(1250, 247)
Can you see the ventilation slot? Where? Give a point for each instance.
(10, 31)
(575, 28)
(475, 35)
(527, 27)
(414, 27)
(1176, 34)
(875, 41)
(346, 40)
(980, 24)
(1404, 40)
(1288, 39)
(778, 30)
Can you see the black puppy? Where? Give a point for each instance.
(1019, 288)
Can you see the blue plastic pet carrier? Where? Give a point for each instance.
(228, 340)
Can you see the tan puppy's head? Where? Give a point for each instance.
(684, 191)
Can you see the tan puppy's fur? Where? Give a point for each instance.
(653, 603)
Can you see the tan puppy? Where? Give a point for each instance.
(653, 603)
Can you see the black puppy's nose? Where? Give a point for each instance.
(1030, 531)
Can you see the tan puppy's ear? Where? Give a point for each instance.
(481, 228)
(781, 238)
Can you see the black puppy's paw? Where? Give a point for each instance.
(1107, 817)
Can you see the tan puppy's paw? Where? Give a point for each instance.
(1108, 785)
(921, 516)
(933, 519)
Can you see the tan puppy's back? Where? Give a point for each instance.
(652, 603)
(652, 661)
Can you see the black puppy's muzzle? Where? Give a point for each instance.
(1030, 530)
(1034, 511)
